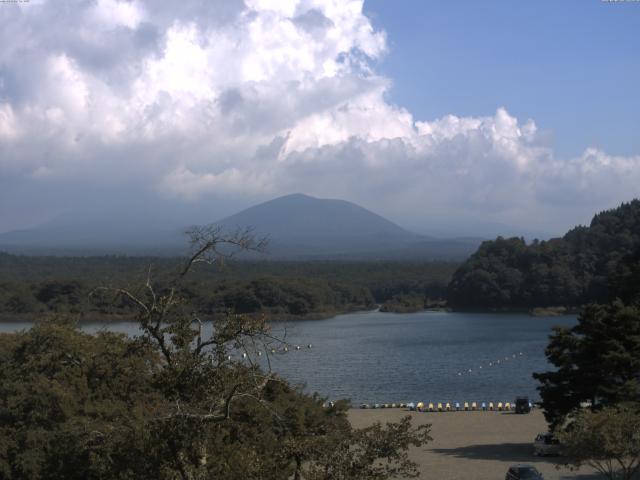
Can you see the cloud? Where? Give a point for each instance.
(247, 100)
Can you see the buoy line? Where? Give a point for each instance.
(285, 349)
(500, 361)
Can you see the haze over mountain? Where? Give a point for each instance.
(94, 236)
(298, 226)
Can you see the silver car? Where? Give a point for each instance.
(546, 444)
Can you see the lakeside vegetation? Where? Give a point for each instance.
(588, 264)
(412, 302)
(33, 286)
(591, 398)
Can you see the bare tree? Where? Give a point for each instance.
(206, 365)
(213, 372)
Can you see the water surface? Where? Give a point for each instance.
(374, 357)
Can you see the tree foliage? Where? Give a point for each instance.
(74, 405)
(32, 286)
(579, 268)
(597, 361)
(607, 440)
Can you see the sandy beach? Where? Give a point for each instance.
(475, 445)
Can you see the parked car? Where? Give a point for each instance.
(523, 405)
(546, 444)
(523, 472)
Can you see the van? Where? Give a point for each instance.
(522, 405)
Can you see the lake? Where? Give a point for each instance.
(376, 357)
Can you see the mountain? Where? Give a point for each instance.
(301, 226)
(94, 236)
(298, 227)
(304, 221)
(91, 239)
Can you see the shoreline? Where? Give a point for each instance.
(34, 318)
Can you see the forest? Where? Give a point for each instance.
(31, 286)
(594, 263)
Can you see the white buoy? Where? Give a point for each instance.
(297, 347)
(273, 350)
(229, 357)
(469, 370)
(309, 346)
(259, 354)
(480, 366)
(285, 349)
(491, 364)
(459, 373)
(244, 355)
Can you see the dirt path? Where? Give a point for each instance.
(475, 445)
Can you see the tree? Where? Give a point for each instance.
(74, 405)
(625, 281)
(597, 361)
(607, 440)
(588, 264)
(371, 453)
(191, 398)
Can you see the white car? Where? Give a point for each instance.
(546, 444)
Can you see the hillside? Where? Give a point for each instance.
(588, 264)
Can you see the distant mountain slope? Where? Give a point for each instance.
(588, 264)
(94, 236)
(298, 226)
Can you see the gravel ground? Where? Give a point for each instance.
(475, 445)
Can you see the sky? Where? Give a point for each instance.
(449, 114)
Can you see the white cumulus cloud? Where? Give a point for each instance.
(246, 100)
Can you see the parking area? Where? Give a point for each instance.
(476, 445)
